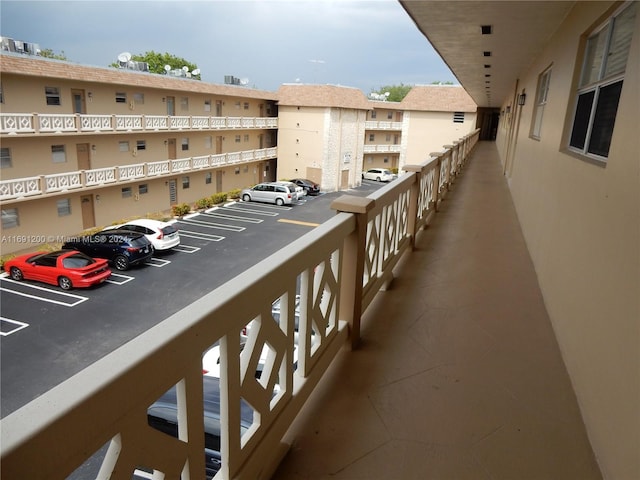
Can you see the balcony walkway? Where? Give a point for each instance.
(459, 375)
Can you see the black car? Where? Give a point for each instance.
(163, 415)
(122, 248)
(310, 187)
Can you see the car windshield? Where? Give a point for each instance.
(77, 261)
(140, 241)
(169, 229)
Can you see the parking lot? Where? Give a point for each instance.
(48, 334)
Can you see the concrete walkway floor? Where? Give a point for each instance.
(459, 375)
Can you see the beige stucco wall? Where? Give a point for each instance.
(581, 222)
(425, 132)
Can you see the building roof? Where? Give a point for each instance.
(336, 96)
(30, 65)
(438, 98)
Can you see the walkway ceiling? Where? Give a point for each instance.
(519, 32)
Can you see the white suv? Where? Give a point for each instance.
(378, 174)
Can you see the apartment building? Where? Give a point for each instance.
(87, 146)
(320, 134)
(330, 134)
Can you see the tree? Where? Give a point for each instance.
(396, 92)
(48, 53)
(157, 61)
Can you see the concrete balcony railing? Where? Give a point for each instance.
(42, 185)
(382, 148)
(337, 269)
(48, 124)
(379, 125)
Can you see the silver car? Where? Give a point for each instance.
(270, 192)
(378, 174)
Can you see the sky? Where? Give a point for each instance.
(365, 44)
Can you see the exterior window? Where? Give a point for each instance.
(5, 158)
(390, 115)
(237, 138)
(10, 218)
(53, 95)
(372, 137)
(207, 178)
(208, 142)
(246, 105)
(126, 192)
(185, 144)
(141, 145)
(64, 207)
(184, 104)
(207, 105)
(386, 160)
(123, 146)
(185, 182)
(458, 117)
(388, 137)
(374, 114)
(541, 101)
(237, 171)
(138, 98)
(121, 97)
(600, 85)
(238, 105)
(1, 94)
(246, 137)
(143, 188)
(58, 154)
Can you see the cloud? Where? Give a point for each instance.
(361, 43)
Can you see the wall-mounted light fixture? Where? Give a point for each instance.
(522, 98)
(93, 148)
(165, 142)
(90, 95)
(508, 108)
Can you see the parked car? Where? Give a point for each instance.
(300, 192)
(66, 268)
(122, 248)
(311, 188)
(378, 174)
(162, 235)
(270, 192)
(163, 416)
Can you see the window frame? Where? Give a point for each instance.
(542, 96)
(52, 96)
(64, 207)
(5, 158)
(583, 130)
(59, 153)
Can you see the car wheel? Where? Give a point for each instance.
(246, 197)
(16, 274)
(378, 179)
(65, 283)
(279, 202)
(121, 262)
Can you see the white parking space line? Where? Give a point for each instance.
(186, 249)
(219, 214)
(157, 262)
(255, 212)
(73, 299)
(201, 236)
(8, 326)
(219, 226)
(120, 279)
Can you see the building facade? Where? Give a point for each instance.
(106, 144)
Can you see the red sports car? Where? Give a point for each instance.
(66, 268)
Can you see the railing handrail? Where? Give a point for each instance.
(53, 123)
(7, 192)
(329, 262)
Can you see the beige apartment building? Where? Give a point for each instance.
(331, 134)
(87, 146)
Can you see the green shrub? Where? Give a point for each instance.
(203, 203)
(218, 198)
(180, 210)
(234, 193)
